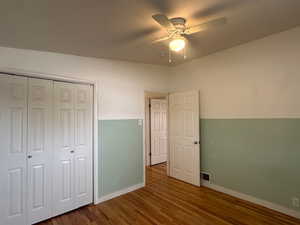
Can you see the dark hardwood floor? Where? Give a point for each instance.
(168, 201)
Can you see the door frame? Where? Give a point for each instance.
(55, 77)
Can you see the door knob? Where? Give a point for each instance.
(29, 157)
(72, 151)
(196, 142)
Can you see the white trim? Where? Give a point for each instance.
(96, 146)
(124, 117)
(100, 190)
(168, 125)
(144, 144)
(41, 75)
(252, 199)
(119, 193)
(147, 130)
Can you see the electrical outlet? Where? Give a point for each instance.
(296, 202)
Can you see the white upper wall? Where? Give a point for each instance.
(121, 84)
(260, 79)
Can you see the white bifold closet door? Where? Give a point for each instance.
(40, 149)
(45, 148)
(13, 150)
(72, 146)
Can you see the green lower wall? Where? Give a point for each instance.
(258, 157)
(122, 155)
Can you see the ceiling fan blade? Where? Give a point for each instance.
(205, 26)
(163, 21)
(220, 7)
(134, 36)
(161, 39)
(162, 6)
(192, 46)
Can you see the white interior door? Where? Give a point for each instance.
(64, 148)
(184, 136)
(13, 154)
(159, 142)
(40, 149)
(83, 145)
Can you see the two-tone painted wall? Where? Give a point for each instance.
(250, 116)
(249, 112)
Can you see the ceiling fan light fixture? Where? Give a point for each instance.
(177, 44)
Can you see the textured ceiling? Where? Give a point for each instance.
(123, 29)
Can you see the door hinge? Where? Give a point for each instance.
(149, 105)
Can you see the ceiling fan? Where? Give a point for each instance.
(178, 32)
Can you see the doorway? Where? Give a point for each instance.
(156, 127)
(158, 131)
(181, 138)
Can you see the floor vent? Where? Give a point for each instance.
(205, 176)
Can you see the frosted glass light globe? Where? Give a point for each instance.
(177, 44)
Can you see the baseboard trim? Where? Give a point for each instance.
(252, 199)
(119, 193)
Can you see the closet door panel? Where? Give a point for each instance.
(46, 148)
(63, 184)
(13, 131)
(83, 144)
(40, 149)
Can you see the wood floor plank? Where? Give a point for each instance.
(167, 201)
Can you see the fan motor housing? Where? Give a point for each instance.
(178, 22)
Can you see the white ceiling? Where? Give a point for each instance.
(123, 29)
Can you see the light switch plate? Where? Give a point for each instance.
(140, 122)
(296, 202)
